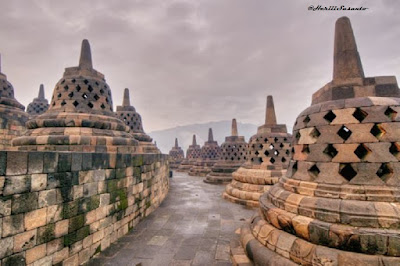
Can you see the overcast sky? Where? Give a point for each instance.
(189, 61)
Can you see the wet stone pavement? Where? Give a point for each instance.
(193, 226)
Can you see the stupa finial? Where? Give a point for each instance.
(210, 135)
(194, 142)
(126, 101)
(41, 92)
(270, 117)
(85, 61)
(234, 130)
(346, 61)
(176, 143)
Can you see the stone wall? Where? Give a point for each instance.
(63, 207)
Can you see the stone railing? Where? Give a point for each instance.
(64, 207)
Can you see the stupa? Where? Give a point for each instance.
(192, 154)
(39, 105)
(133, 120)
(339, 202)
(268, 159)
(233, 155)
(176, 156)
(80, 116)
(12, 115)
(209, 155)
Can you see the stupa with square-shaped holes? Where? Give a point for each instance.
(80, 116)
(268, 159)
(210, 154)
(12, 115)
(39, 105)
(176, 155)
(339, 202)
(127, 113)
(192, 154)
(233, 155)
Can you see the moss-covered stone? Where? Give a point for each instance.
(76, 222)
(46, 234)
(70, 209)
(76, 235)
(23, 203)
(112, 185)
(137, 160)
(120, 173)
(118, 195)
(15, 260)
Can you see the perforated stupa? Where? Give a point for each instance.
(268, 159)
(233, 155)
(39, 105)
(192, 154)
(176, 156)
(127, 113)
(339, 202)
(12, 115)
(80, 116)
(209, 155)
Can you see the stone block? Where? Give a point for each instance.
(76, 162)
(35, 219)
(35, 253)
(6, 246)
(62, 255)
(16, 184)
(344, 116)
(17, 163)
(50, 162)
(54, 246)
(76, 222)
(22, 203)
(3, 162)
(90, 189)
(5, 207)
(360, 133)
(64, 162)
(35, 162)
(54, 213)
(15, 260)
(38, 182)
(46, 233)
(13, 225)
(25, 240)
(47, 198)
(61, 228)
(87, 161)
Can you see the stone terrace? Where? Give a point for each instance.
(193, 226)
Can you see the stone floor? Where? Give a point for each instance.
(193, 226)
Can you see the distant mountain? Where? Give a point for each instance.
(166, 138)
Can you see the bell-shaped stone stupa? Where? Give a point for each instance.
(12, 115)
(192, 154)
(209, 155)
(269, 154)
(133, 120)
(39, 105)
(339, 202)
(233, 155)
(80, 116)
(176, 156)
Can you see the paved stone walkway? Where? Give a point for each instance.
(193, 226)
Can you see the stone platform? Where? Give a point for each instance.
(193, 226)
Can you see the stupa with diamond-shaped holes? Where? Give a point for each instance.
(80, 116)
(339, 202)
(233, 155)
(268, 159)
(192, 154)
(12, 115)
(127, 113)
(176, 156)
(39, 105)
(210, 153)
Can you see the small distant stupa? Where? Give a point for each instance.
(268, 159)
(233, 155)
(338, 204)
(176, 156)
(80, 116)
(12, 115)
(192, 154)
(39, 105)
(127, 113)
(209, 155)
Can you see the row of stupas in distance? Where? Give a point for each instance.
(254, 167)
(338, 203)
(80, 116)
